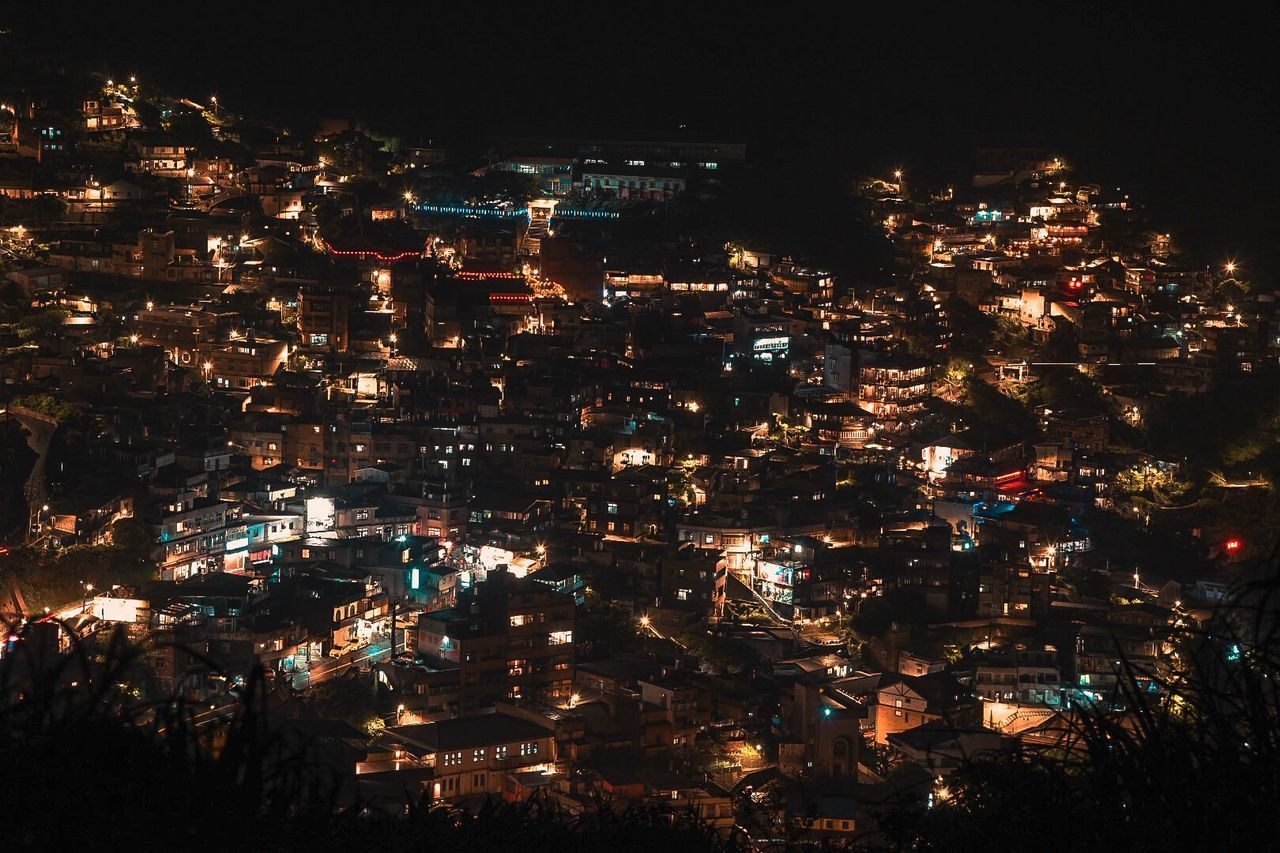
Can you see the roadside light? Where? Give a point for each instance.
(541, 549)
(644, 621)
(1229, 267)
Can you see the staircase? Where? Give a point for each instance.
(538, 227)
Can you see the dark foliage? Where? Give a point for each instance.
(90, 766)
(1192, 766)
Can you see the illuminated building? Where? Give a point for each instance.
(891, 388)
(510, 638)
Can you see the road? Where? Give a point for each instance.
(322, 670)
(39, 436)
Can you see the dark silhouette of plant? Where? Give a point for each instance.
(1192, 764)
(93, 762)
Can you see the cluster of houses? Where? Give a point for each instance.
(604, 507)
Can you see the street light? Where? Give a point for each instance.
(1229, 267)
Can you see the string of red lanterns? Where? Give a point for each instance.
(361, 253)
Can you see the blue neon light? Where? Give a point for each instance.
(469, 210)
(509, 213)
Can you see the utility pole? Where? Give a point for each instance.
(393, 629)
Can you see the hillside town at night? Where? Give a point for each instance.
(574, 470)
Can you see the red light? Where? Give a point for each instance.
(366, 254)
(1233, 544)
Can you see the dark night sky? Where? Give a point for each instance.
(1179, 106)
